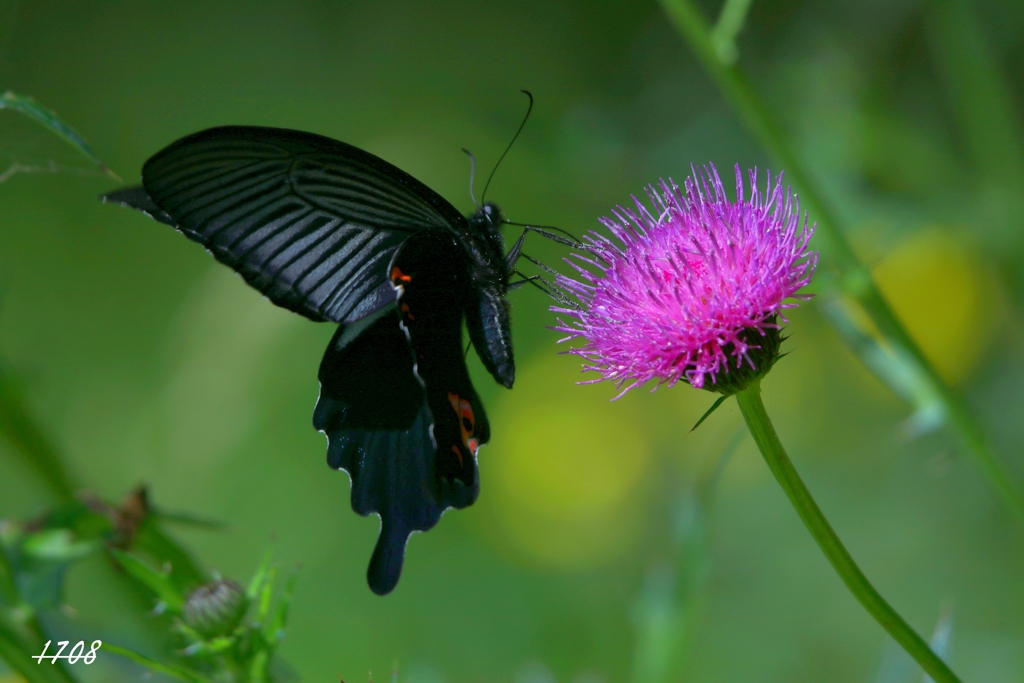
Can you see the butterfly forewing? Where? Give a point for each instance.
(309, 221)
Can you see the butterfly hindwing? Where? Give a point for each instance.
(431, 276)
(309, 221)
(398, 407)
(375, 415)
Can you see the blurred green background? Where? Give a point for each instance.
(600, 527)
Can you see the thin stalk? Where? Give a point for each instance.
(856, 280)
(768, 443)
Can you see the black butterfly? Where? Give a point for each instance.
(334, 233)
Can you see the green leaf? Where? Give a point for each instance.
(258, 667)
(172, 670)
(259, 578)
(158, 582)
(713, 408)
(273, 632)
(57, 545)
(266, 595)
(49, 120)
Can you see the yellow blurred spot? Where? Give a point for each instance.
(11, 678)
(946, 296)
(564, 468)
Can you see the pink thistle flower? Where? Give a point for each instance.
(694, 292)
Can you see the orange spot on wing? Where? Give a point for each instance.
(464, 414)
(405, 309)
(398, 276)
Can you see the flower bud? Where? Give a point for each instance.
(215, 609)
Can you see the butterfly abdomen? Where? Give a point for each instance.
(487, 311)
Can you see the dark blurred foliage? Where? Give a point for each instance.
(145, 361)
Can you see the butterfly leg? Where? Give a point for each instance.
(513, 254)
(519, 283)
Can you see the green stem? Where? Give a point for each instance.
(730, 23)
(775, 455)
(856, 279)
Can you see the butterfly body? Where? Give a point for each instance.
(487, 311)
(334, 233)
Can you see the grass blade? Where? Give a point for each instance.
(178, 672)
(48, 119)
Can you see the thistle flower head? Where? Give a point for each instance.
(693, 291)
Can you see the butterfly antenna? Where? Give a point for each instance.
(512, 286)
(520, 130)
(472, 174)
